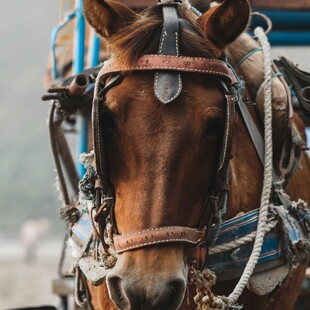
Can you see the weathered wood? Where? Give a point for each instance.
(139, 4)
(282, 5)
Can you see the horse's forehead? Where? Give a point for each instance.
(200, 95)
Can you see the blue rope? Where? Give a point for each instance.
(69, 17)
(258, 49)
(277, 74)
(239, 87)
(221, 215)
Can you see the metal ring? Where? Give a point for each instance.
(266, 19)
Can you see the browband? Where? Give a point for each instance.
(172, 63)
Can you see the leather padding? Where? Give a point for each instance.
(167, 84)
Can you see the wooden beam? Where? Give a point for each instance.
(138, 4)
(281, 5)
(63, 287)
(266, 4)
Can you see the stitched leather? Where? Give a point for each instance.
(97, 133)
(221, 181)
(173, 63)
(168, 85)
(152, 236)
(252, 129)
(227, 142)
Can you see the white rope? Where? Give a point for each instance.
(267, 182)
(222, 302)
(240, 241)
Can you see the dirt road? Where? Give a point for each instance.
(24, 284)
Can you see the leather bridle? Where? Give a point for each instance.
(167, 68)
(111, 74)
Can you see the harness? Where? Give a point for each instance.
(167, 69)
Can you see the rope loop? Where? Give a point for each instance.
(70, 214)
(204, 299)
(268, 166)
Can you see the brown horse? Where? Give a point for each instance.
(163, 157)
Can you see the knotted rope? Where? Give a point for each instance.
(204, 298)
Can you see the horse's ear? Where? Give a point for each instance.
(107, 17)
(223, 23)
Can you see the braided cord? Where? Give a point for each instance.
(204, 299)
(267, 182)
(248, 55)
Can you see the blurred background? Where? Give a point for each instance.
(31, 233)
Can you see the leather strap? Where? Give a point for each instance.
(214, 202)
(174, 63)
(200, 257)
(168, 84)
(227, 141)
(152, 236)
(252, 129)
(258, 142)
(98, 135)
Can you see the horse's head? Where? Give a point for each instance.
(162, 158)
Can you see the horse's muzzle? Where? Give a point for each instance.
(130, 293)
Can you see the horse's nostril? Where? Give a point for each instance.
(116, 292)
(171, 295)
(137, 296)
(177, 286)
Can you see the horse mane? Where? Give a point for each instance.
(142, 36)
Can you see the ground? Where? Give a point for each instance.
(24, 284)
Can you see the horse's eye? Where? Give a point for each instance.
(213, 128)
(107, 119)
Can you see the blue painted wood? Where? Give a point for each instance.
(79, 52)
(78, 66)
(289, 27)
(285, 20)
(280, 38)
(230, 264)
(308, 137)
(54, 35)
(94, 49)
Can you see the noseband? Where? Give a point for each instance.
(167, 68)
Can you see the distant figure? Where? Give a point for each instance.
(31, 232)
